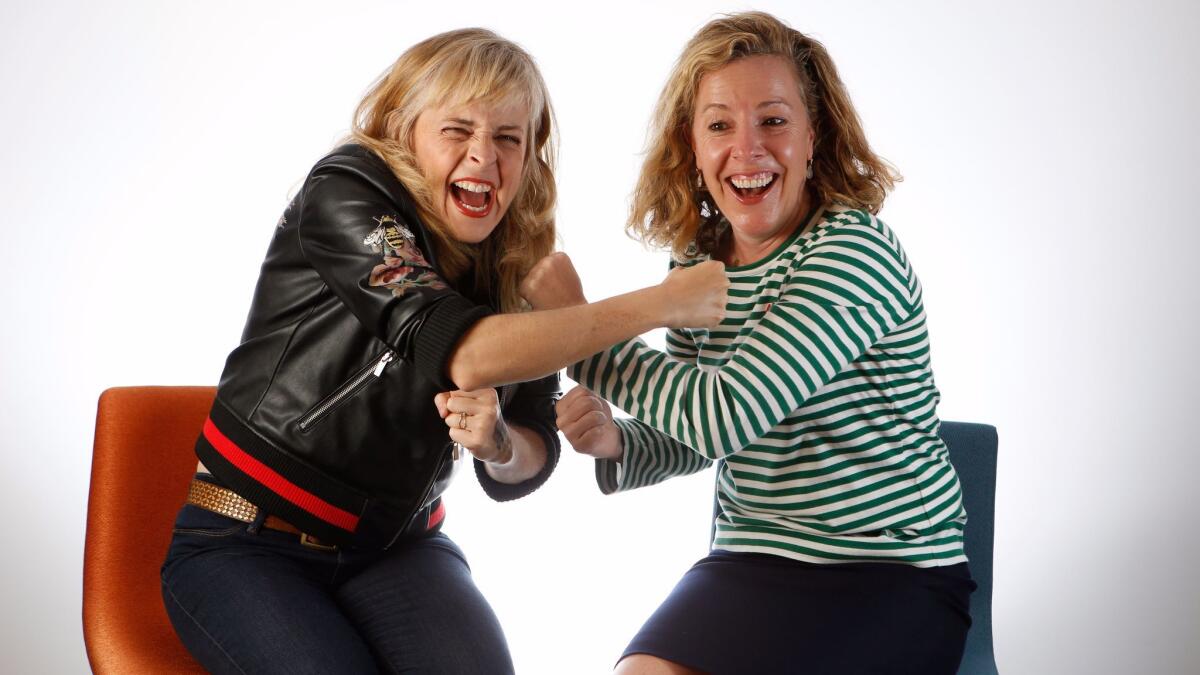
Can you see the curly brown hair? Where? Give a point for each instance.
(467, 65)
(668, 205)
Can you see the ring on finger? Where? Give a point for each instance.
(462, 420)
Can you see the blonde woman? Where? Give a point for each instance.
(383, 341)
(838, 542)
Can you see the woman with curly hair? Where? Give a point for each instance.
(838, 544)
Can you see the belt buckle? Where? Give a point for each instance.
(312, 542)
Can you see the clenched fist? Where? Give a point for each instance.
(696, 295)
(553, 283)
(476, 424)
(587, 422)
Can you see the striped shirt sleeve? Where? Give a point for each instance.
(651, 456)
(849, 289)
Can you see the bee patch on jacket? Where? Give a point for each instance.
(404, 266)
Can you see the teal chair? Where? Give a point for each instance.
(973, 449)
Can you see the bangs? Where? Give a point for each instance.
(493, 75)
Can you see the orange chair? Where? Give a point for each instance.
(141, 462)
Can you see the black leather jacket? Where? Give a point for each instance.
(324, 414)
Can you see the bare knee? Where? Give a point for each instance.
(645, 664)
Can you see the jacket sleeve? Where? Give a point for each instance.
(532, 407)
(365, 242)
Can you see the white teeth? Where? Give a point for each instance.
(472, 186)
(476, 209)
(756, 181)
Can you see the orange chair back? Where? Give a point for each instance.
(141, 462)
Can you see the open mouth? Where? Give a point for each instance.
(472, 197)
(751, 188)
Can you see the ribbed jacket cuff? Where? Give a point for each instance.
(504, 492)
(439, 334)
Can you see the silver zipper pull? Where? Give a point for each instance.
(387, 357)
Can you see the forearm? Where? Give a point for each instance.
(714, 413)
(790, 355)
(505, 348)
(527, 458)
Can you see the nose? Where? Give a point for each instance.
(482, 149)
(747, 142)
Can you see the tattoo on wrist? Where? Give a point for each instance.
(503, 442)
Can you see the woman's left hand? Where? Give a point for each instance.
(553, 283)
(475, 423)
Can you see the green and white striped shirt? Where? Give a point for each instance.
(816, 390)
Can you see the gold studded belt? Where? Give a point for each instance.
(232, 505)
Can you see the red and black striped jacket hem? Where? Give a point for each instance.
(312, 500)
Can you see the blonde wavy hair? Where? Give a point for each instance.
(466, 66)
(668, 207)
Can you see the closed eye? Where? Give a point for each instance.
(457, 133)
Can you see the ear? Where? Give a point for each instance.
(688, 138)
(690, 142)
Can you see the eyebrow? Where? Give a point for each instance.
(764, 104)
(471, 123)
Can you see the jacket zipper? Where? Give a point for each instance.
(373, 370)
(420, 502)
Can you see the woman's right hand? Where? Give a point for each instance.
(587, 422)
(695, 296)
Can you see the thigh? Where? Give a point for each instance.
(914, 620)
(421, 612)
(645, 664)
(246, 603)
(734, 613)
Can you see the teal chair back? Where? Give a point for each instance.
(973, 449)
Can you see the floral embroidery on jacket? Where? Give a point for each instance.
(403, 265)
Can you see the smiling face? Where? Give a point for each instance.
(473, 156)
(752, 139)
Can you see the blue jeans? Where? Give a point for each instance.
(246, 599)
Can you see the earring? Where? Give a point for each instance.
(699, 180)
(808, 173)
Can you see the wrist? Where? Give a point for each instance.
(658, 302)
(501, 458)
(577, 300)
(502, 442)
(619, 456)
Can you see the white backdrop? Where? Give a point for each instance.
(1050, 152)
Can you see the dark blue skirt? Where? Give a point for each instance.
(758, 613)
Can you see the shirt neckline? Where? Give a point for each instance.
(804, 226)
